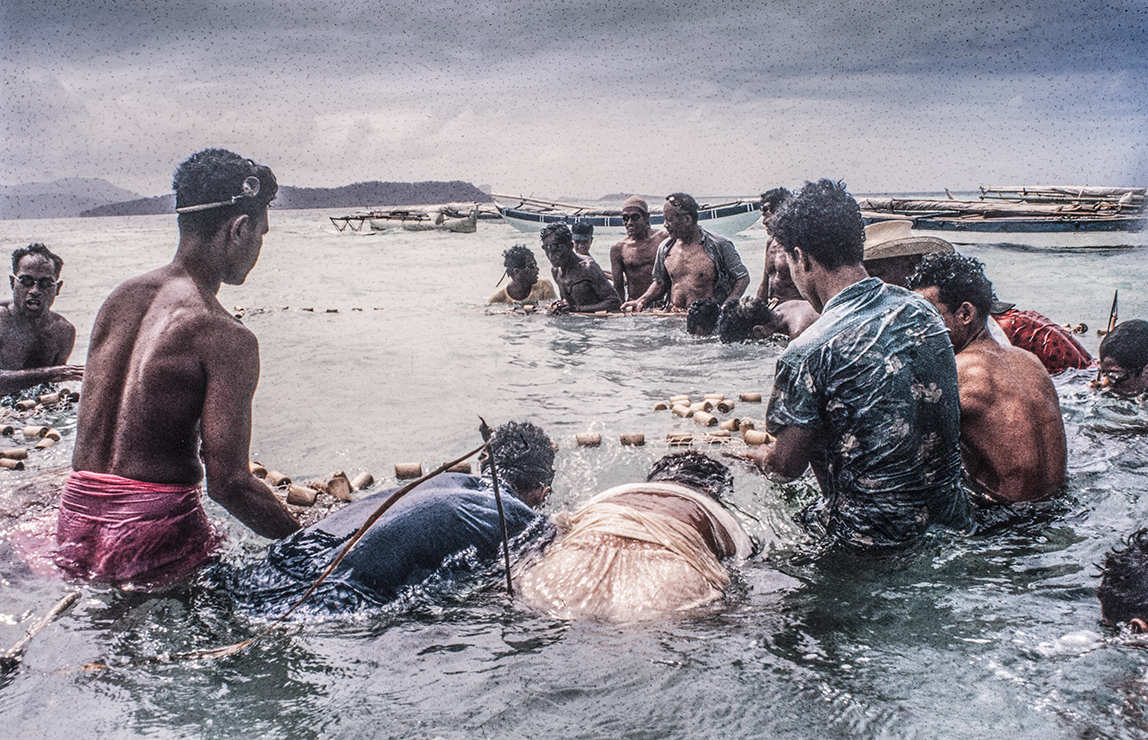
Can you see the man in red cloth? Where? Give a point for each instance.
(169, 381)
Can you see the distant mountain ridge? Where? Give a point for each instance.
(355, 195)
(59, 198)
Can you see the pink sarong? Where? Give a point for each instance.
(122, 530)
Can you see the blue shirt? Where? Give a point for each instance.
(450, 523)
(875, 379)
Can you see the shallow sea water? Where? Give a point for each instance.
(995, 634)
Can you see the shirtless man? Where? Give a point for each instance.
(1012, 434)
(632, 259)
(775, 280)
(1124, 358)
(581, 282)
(170, 380)
(642, 550)
(524, 285)
(693, 264)
(34, 340)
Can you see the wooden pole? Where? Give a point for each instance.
(11, 659)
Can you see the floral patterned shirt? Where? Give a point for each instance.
(875, 379)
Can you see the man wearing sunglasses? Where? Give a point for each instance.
(34, 340)
(632, 259)
(1124, 358)
(167, 395)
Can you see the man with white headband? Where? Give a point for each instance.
(169, 382)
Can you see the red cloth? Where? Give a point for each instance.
(122, 530)
(1049, 341)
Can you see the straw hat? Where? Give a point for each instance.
(894, 238)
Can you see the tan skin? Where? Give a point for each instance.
(1012, 433)
(775, 281)
(1121, 380)
(522, 280)
(632, 259)
(171, 375)
(34, 340)
(693, 275)
(791, 318)
(581, 283)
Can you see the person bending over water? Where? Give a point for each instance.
(34, 340)
(632, 259)
(170, 379)
(693, 264)
(581, 282)
(1123, 590)
(1012, 434)
(1124, 358)
(524, 285)
(867, 395)
(702, 318)
(449, 515)
(642, 550)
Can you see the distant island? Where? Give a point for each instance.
(356, 195)
(59, 198)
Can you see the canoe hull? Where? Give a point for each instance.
(725, 220)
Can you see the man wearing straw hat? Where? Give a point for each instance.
(892, 251)
(169, 383)
(632, 259)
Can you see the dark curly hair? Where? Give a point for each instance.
(1127, 344)
(517, 257)
(214, 175)
(737, 321)
(825, 221)
(684, 202)
(694, 469)
(560, 229)
(957, 277)
(702, 317)
(524, 456)
(37, 248)
(1123, 590)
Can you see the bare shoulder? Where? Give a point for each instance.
(976, 377)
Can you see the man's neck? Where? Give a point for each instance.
(517, 290)
(695, 237)
(192, 258)
(829, 283)
(979, 339)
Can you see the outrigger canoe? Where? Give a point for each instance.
(531, 215)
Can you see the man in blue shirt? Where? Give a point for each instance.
(446, 526)
(867, 395)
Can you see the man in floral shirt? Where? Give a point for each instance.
(867, 395)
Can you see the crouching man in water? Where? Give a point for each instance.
(450, 515)
(1012, 434)
(581, 282)
(170, 378)
(524, 286)
(642, 550)
(867, 395)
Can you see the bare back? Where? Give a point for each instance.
(164, 358)
(1012, 432)
(693, 275)
(632, 263)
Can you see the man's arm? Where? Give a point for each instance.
(787, 455)
(609, 299)
(618, 271)
(763, 289)
(12, 381)
(736, 291)
(231, 365)
(653, 293)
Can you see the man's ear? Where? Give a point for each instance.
(238, 226)
(965, 313)
(801, 258)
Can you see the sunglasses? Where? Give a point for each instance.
(43, 283)
(628, 217)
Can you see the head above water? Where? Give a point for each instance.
(702, 317)
(557, 243)
(38, 249)
(213, 186)
(35, 280)
(1123, 590)
(824, 221)
(681, 215)
(520, 264)
(525, 459)
(749, 319)
(695, 470)
(959, 289)
(1124, 357)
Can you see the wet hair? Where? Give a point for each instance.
(695, 469)
(684, 202)
(1127, 344)
(214, 175)
(38, 249)
(560, 229)
(771, 199)
(702, 317)
(1123, 590)
(737, 321)
(524, 456)
(958, 278)
(518, 257)
(825, 221)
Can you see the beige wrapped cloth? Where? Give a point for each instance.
(621, 562)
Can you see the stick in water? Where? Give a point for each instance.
(484, 429)
(11, 659)
(1111, 326)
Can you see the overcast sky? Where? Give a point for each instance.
(581, 98)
